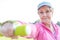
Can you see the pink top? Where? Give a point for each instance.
(43, 33)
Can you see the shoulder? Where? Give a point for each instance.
(39, 27)
(56, 26)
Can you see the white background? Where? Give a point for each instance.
(25, 10)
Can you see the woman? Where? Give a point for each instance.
(46, 29)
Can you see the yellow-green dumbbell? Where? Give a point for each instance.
(21, 29)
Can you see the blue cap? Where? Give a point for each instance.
(44, 3)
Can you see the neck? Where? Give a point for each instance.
(47, 24)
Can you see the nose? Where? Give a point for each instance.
(44, 14)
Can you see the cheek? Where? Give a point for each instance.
(40, 16)
(49, 16)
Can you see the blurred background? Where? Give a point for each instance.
(25, 10)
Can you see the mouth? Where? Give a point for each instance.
(45, 18)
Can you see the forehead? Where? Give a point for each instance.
(45, 8)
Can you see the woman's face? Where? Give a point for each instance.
(45, 14)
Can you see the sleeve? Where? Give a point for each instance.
(58, 32)
(33, 32)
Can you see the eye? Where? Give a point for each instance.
(47, 11)
(41, 12)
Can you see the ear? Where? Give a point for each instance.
(52, 10)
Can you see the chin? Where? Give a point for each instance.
(46, 22)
